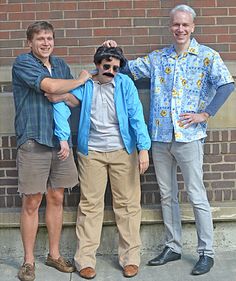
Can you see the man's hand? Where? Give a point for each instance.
(109, 43)
(143, 158)
(64, 151)
(84, 76)
(188, 119)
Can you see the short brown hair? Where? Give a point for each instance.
(36, 27)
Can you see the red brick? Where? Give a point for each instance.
(215, 30)
(11, 173)
(203, 3)
(18, 51)
(7, 181)
(5, 52)
(223, 184)
(232, 11)
(218, 195)
(35, 7)
(56, 6)
(146, 22)
(85, 5)
(77, 14)
(9, 25)
(227, 195)
(64, 24)
(226, 20)
(232, 47)
(3, 17)
(117, 22)
(206, 38)
(223, 167)
(225, 135)
(158, 12)
(214, 11)
(205, 21)
(119, 5)
(107, 32)
(230, 158)
(146, 4)
(134, 13)
(10, 8)
(78, 32)
(86, 23)
(20, 34)
(229, 176)
(89, 41)
(147, 40)
(159, 31)
(232, 148)
(60, 51)
(49, 15)
(226, 38)
(4, 35)
(134, 31)
(82, 51)
(228, 56)
(104, 14)
(212, 176)
(22, 16)
(226, 3)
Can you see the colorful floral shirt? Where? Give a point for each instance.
(180, 84)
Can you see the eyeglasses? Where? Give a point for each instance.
(108, 66)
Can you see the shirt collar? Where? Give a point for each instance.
(112, 82)
(51, 59)
(192, 49)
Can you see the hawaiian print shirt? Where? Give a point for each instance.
(180, 84)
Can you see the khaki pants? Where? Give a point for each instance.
(123, 173)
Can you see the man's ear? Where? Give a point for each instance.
(29, 43)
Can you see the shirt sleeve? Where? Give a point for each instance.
(140, 67)
(61, 113)
(219, 73)
(78, 92)
(222, 93)
(136, 118)
(28, 71)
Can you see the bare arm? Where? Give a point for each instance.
(62, 86)
(68, 98)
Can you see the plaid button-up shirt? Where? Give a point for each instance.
(33, 111)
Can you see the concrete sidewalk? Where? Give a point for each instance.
(109, 270)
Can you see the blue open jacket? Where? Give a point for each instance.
(129, 111)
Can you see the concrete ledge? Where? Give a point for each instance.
(220, 212)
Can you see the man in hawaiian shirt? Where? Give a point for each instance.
(189, 83)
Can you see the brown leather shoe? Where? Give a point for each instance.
(60, 264)
(87, 273)
(27, 272)
(130, 270)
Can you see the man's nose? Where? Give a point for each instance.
(181, 28)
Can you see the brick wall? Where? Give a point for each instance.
(138, 25)
(219, 173)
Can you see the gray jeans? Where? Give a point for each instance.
(189, 157)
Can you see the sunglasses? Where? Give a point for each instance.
(108, 66)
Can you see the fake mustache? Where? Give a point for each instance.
(108, 74)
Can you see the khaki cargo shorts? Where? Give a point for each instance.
(39, 168)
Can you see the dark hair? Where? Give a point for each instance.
(107, 53)
(36, 27)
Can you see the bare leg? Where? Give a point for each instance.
(29, 224)
(54, 218)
